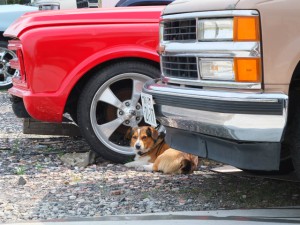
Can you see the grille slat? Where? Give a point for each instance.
(179, 30)
(180, 67)
(185, 70)
(173, 34)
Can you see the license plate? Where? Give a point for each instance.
(148, 109)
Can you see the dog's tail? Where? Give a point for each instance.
(186, 166)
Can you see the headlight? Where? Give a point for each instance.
(229, 29)
(217, 69)
(237, 69)
(215, 29)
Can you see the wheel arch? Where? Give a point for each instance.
(78, 87)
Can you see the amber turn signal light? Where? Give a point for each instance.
(247, 69)
(246, 29)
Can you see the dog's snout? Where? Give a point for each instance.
(138, 146)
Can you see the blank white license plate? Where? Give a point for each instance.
(148, 109)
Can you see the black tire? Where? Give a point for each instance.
(3, 44)
(295, 142)
(108, 107)
(6, 72)
(296, 156)
(285, 166)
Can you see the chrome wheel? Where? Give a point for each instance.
(6, 72)
(122, 107)
(110, 104)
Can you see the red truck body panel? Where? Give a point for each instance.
(60, 47)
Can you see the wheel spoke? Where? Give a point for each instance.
(109, 97)
(108, 128)
(2, 53)
(136, 92)
(5, 73)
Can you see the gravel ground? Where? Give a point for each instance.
(35, 185)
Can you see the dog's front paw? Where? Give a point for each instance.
(148, 167)
(140, 168)
(130, 164)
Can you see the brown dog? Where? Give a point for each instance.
(154, 154)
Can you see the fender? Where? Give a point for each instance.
(126, 51)
(50, 106)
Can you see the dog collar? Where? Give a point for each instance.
(141, 154)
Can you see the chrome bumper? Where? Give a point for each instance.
(240, 117)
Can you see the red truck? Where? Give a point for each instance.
(90, 64)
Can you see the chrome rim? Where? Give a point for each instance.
(6, 72)
(115, 108)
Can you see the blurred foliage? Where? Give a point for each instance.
(4, 2)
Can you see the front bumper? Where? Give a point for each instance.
(47, 107)
(241, 117)
(241, 129)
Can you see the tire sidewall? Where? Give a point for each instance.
(295, 147)
(293, 130)
(3, 44)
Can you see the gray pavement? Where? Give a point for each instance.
(228, 169)
(280, 216)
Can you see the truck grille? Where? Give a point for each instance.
(177, 30)
(180, 67)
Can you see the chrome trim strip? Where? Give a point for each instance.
(212, 49)
(211, 83)
(211, 14)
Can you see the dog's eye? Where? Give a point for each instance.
(134, 137)
(144, 137)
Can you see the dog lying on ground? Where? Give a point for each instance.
(152, 153)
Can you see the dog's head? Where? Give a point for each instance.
(142, 139)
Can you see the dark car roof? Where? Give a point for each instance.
(122, 3)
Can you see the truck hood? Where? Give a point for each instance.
(9, 13)
(147, 14)
(186, 6)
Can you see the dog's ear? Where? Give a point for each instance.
(129, 133)
(152, 132)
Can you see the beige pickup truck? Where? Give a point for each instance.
(230, 86)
